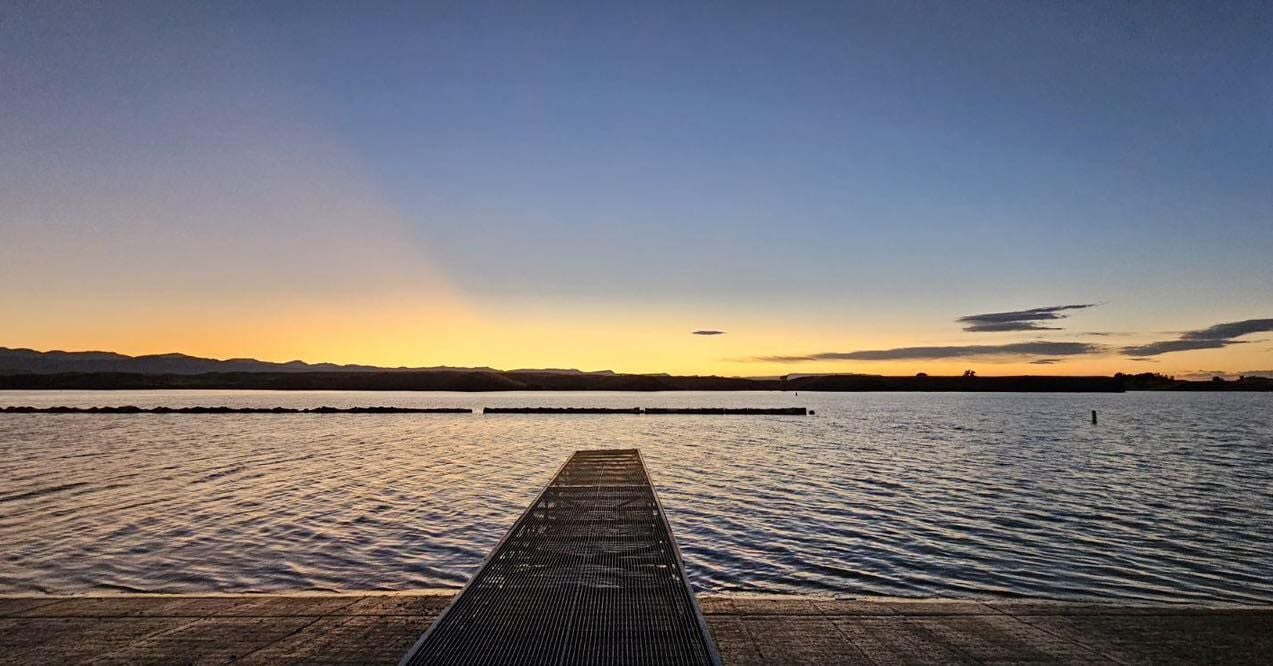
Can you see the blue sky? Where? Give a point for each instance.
(1042, 133)
(865, 172)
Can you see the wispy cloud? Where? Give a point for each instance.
(1212, 337)
(1168, 346)
(1108, 334)
(1003, 326)
(1045, 361)
(1233, 329)
(1015, 350)
(1019, 320)
(708, 331)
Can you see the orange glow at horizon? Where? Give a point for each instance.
(421, 332)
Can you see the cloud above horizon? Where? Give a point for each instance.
(1019, 320)
(1013, 350)
(1041, 352)
(1232, 329)
(708, 331)
(1212, 337)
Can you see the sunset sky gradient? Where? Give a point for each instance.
(578, 186)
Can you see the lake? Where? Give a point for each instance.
(963, 495)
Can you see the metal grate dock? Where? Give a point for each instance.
(589, 574)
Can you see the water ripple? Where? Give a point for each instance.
(1170, 498)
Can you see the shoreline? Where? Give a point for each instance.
(8, 383)
(485, 381)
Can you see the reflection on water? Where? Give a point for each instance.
(1170, 498)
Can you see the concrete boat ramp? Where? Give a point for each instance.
(380, 629)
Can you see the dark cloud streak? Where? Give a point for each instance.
(1019, 349)
(1019, 320)
(1212, 337)
(1000, 326)
(1169, 346)
(708, 332)
(1233, 329)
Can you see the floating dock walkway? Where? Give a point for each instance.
(590, 574)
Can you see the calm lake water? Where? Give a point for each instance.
(1169, 498)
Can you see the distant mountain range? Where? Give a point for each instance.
(27, 369)
(30, 361)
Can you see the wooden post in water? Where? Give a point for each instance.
(1093, 417)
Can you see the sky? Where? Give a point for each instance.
(876, 187)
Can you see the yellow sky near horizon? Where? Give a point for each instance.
(405, 332)
(313, 265)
